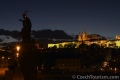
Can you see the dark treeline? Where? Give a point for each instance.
(47, 33)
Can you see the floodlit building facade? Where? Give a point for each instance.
(89, 39)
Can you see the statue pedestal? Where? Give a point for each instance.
(17, 75)
(8, 75)
(28, 62)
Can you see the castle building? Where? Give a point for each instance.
(83, 36)
(117, 37)
(89, 39)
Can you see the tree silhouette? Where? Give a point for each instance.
(83, 46)
(71, 45)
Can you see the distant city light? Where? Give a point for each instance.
(8, 57)
(105, 64)
(3, 57)
(110, 68)
(101, 69)
(115, 68)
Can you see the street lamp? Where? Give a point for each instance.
(18, 48)
(17, 54)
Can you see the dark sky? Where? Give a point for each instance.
(73, 16)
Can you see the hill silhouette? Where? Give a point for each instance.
(56, 34)
(44, 34)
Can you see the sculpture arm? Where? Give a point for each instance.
(21, 20)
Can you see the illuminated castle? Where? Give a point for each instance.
(88, 37)
(117, 37)
(83, 36)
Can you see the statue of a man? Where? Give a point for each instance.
(27, 57)
(26, 30)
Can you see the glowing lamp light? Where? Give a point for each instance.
(101, 69)
(110, 68)
(17, 54)
(105, 64)
(18, 48)
(8, 57)
(3, 57)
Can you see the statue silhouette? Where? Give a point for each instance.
(27, 57)
(26, 30)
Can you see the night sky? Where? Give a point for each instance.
(73, 16)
